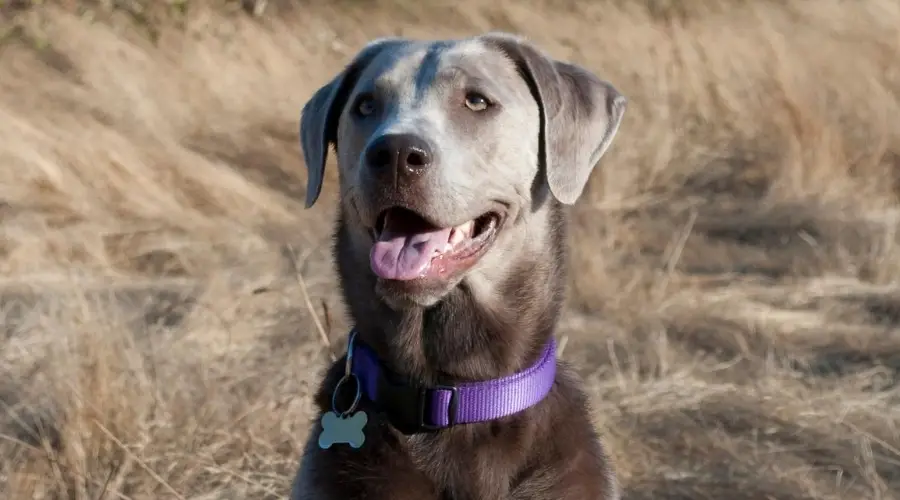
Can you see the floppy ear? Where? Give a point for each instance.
(319, 118)
(579, 114)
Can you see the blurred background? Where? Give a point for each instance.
(166, 303)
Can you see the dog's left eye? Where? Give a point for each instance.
(477, 102)
(365, 105)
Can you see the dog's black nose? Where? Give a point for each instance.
(402, 153)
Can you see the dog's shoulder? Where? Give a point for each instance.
(573, 462)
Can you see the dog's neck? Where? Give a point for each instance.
(464, 337)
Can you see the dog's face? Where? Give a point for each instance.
(449, 152)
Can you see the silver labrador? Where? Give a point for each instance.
(457, 162)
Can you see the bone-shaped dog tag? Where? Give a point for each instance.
(343, 430)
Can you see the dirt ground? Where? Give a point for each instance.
(166, 303)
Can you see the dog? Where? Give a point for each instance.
(457, 161)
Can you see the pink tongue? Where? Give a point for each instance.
(398, 256)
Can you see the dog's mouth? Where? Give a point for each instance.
(409, 247)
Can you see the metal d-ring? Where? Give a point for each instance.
(348, 374)
(348, 363)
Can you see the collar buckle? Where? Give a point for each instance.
(410, 408)
(425, 407)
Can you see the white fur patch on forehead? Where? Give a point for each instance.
(475, 52)
(393, 66)
(411, 69)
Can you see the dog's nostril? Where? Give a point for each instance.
(416, 159)
(380, 158)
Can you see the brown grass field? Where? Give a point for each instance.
(164, 297)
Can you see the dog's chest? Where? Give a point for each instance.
(463, 469)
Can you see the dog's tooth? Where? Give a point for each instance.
(466, 229)
(456, 236)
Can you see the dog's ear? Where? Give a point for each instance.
(319, 118)
(579, 114)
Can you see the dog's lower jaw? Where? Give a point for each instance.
(402, 295)
(399, 296)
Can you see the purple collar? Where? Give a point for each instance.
(416, 409)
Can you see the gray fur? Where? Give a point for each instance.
(526, 157)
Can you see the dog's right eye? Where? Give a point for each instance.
(477, 102)
(365, 105)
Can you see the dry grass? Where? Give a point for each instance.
(735, 304)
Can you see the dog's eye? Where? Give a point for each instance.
(477, 102)
(365, 105)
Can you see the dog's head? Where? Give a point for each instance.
(450, 153)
